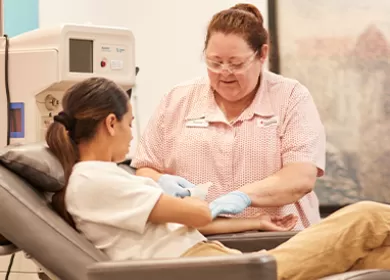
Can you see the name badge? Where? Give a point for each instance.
(197, 123)
(273, 121)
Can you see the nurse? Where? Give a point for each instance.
(241, 128)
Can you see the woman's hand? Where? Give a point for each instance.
(276, 223)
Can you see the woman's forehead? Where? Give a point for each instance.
(227, 46)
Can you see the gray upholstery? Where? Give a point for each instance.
(253, 241)
(250, 266)
(127, 167)
(28, 221)
(8, 249)
(36, 164)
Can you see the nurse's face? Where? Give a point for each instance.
(233, 67)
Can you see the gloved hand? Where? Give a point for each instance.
(175, 185)
(231, 203)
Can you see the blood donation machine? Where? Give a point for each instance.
(38, 66)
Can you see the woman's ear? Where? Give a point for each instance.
(110, 123)
(264, 53)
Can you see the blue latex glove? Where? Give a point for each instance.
(175, 185)
(231, 203)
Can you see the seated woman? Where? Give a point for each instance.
(129, 217)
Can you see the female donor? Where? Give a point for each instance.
(130, 217)
(240, 128)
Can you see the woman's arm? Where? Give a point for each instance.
(195, 213)
(284, 187)
(191, 212)
(229, 225)
(262, 222)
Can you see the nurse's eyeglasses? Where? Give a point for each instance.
(233, 68)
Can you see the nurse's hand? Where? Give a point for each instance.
(231, 203)
(175, 185)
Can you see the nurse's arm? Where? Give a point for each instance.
(148, 172)
(283, 187)
(302, 154)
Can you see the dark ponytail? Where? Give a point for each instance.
(60, 144)
(85, 105)
(63, 147)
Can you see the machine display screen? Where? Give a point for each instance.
(80, 56)
(17, 120)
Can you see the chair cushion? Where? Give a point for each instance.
(34, 163)
(28, 221)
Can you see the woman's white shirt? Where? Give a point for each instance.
(111, 208)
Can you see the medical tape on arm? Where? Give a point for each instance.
(200, 191)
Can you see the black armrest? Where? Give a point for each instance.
(253, 241)
(125, 162)
(369, 274)
(127, 168)
(233, 267)
(8, 249)
(328, 209)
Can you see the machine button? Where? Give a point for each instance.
(116, 64)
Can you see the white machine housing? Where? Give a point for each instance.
(44, 63)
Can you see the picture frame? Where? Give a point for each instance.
(340, 50)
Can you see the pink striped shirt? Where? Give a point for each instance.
(189, 136)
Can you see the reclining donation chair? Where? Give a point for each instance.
(29, 174)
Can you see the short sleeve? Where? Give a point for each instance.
(123, 202)
(303, 134)
(150, 149)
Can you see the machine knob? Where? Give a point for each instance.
(51, 103)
